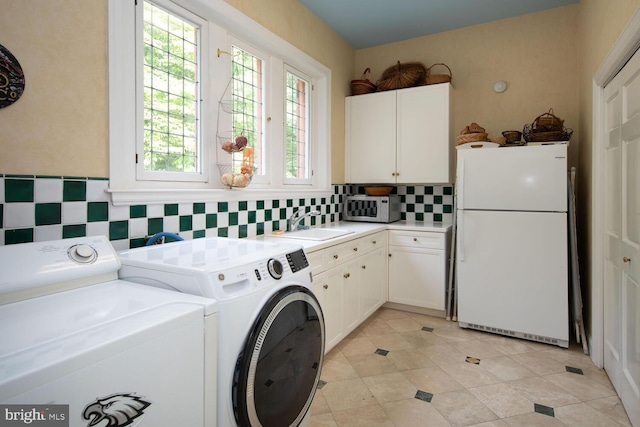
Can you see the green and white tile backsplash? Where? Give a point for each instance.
(40, 208)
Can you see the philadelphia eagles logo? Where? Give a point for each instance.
(118, 410)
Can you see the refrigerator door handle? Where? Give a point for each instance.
(460, 233)
(460, 183)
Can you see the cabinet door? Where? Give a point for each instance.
(370, 138)
(424, 149)
(373, 292)
(351, 285)
(328, 289)
(417, 277)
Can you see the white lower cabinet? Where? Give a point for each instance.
(349, 280)
(418, 268)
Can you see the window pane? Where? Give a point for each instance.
(170, 92)
(297, 127)
(248, 106)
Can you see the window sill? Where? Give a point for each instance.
(161, 196)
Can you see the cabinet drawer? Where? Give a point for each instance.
(340, 253)
(316, 261)
(417, 239)
(374, 241)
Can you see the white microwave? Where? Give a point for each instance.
(372, 208)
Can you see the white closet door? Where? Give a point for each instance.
(622, 236)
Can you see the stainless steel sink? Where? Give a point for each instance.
(314, 234)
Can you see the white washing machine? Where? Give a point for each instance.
(82, 347)
(270, 325)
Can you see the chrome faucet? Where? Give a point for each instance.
(293, 222)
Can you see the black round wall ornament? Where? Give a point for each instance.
(11, 78)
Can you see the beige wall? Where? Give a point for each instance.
(59, 125)
(535, 54)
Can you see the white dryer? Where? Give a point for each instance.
(82, 347)
(271, 328)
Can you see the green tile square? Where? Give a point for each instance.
(155, 226)
(243, 231)
(171, 209)
(260, 228)
(289, 203)
(76, 230)
(233, 218)
(411, 189)
(275, 204)
(313, 201)
(275, 225)
(428, 208)
(48, 213)
(447, 209)
(223, 206)
(22, 235)
(428, 190)
(169, 239)
(242, 205)
(136, 243)
(223, 232)
(419, 198)
(448, 191)
(1, 216)
(268, 214)
(198, 234)
(186, 222)
(18, 190)
(260, 204)
(403, 216)
(118, 230)
(198, 208)
(97, 211)
(301, 202)
(74, 191)
(283, 213)
(137, 211)
(437, 200)
(211, 220)
(437, 217)
(419, 216)
(323, 201)
(252, 217)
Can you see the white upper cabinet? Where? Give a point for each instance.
(400, 137)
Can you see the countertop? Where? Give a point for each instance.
(359, 229)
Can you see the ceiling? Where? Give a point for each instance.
(368, 23)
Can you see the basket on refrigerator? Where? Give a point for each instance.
(401, 76)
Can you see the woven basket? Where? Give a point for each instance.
(433, 79)
(363, 85)
(472, 137)
(531, 135)
(547, 122)
(400, 76)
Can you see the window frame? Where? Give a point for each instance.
(125, 189)
(308, 119)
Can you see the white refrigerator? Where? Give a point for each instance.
(511, 241)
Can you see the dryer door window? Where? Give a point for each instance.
(278, 371)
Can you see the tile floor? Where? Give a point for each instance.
(405, 369)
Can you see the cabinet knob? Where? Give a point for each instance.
(393, 174)
(375, 242)
(346, 275)
(364, 267)
(389, 255)
(355, 249)
(625, 259)
(335, 256)
(268, 119)
(415, 239)
(325, 286)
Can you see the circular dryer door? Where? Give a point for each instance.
(279, 368)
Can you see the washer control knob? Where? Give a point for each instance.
(83, 254)
(275, 268)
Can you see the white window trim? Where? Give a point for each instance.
(309, 126)
(125, 189)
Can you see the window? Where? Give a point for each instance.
(164, 125)
(171, 101)
(296, 150)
